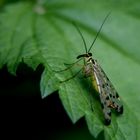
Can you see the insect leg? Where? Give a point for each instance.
(72, 76)
(71, 65)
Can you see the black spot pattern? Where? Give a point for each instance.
(102, 105)
(107, 121)
(108, 95)
(109, 113)
(103, 86)
(117, 96)
(121, 110)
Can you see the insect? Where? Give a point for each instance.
(109, 97)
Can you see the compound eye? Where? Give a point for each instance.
(90, 54)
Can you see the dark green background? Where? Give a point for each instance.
(24, 115)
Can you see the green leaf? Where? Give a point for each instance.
(43, 33)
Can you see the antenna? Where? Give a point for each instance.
(98, 31)
(81, 36)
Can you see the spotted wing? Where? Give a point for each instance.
(108, 95)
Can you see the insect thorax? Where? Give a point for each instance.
(88, 66)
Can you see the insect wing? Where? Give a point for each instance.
(108, 96)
